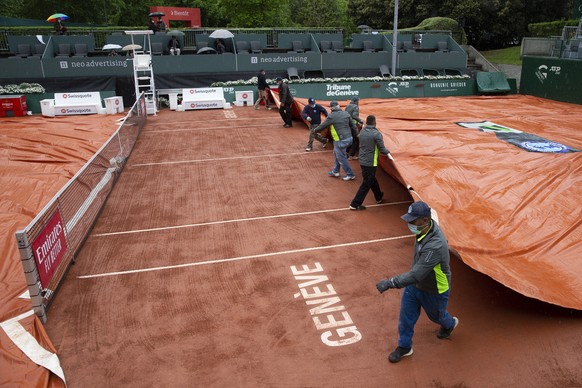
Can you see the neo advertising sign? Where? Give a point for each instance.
(49, 248)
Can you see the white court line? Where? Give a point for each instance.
(222, 159)
(206, 128)
(238, 220)
(240, 258)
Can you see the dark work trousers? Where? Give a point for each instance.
(285, 112)
(354, 149)
(369, 182)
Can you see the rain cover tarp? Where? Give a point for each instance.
(510, 213)
(38, 155)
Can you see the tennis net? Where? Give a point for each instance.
(48, 244)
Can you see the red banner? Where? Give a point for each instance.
(49, 248)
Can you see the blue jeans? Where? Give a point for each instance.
(340, 156)
(435, 306)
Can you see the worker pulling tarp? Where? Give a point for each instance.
(510, 211)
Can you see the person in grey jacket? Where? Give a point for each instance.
(428, 282)
(343, 130)
(286, 99)
(371, 144)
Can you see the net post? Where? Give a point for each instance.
(31, 275)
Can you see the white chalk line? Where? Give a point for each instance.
(207, 128)
(229, 158)
(240, 258)
(164, 228)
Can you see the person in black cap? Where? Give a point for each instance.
(353, 109)
(427, 284)
(286, 99)
(262, 86)
(371, 145)
(312, 112)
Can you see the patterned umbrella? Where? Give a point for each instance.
(56, 16)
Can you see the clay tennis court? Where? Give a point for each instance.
(200, 268)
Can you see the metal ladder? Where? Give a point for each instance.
(143, 70)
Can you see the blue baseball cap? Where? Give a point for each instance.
(278, 79)
(416, 210)
(311, 100)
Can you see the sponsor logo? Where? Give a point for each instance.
(180, 13)
(544, 146)
(64, 65)
(333, 90)
(286, 59)
(523, 140)
(93, 63)
(254, 60)
(49, 248)
(543, 71)
(392, 88)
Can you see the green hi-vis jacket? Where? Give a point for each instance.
(371, 145)
(430, 271)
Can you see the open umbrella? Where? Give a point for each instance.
(153, 14)
(57, 16)
(111, 46)
(206, 50)
(130, 47)
(221, 34)
(176, 33)
(364, 27)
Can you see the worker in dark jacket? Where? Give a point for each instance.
(371, 145)
(312, 112)
(342, 130)
(286, 99)
(263, 89)
(353, 109)
(427, 284)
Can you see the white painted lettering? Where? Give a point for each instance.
(305, 269)
(327, 311)
(332, 322)
(317, 293)
(342, 332)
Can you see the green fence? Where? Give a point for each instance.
(552, 78)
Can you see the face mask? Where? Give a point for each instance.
(416, 229)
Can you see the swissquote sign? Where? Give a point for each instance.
(49, 248)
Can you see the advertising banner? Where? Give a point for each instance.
(49, 248)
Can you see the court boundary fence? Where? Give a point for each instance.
(49, 243)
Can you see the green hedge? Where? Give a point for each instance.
(548, 29)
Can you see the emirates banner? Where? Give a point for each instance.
(49, 248)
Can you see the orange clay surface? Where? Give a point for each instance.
(191, 276)
(199, 247)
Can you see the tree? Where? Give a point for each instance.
(255, 13)
(377, 14)
(316, 13)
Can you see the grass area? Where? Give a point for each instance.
(507, 56)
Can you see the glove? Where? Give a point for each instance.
(385, 284)
(308, 118)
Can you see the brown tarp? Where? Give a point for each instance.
(511, 214)
(38, 155)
